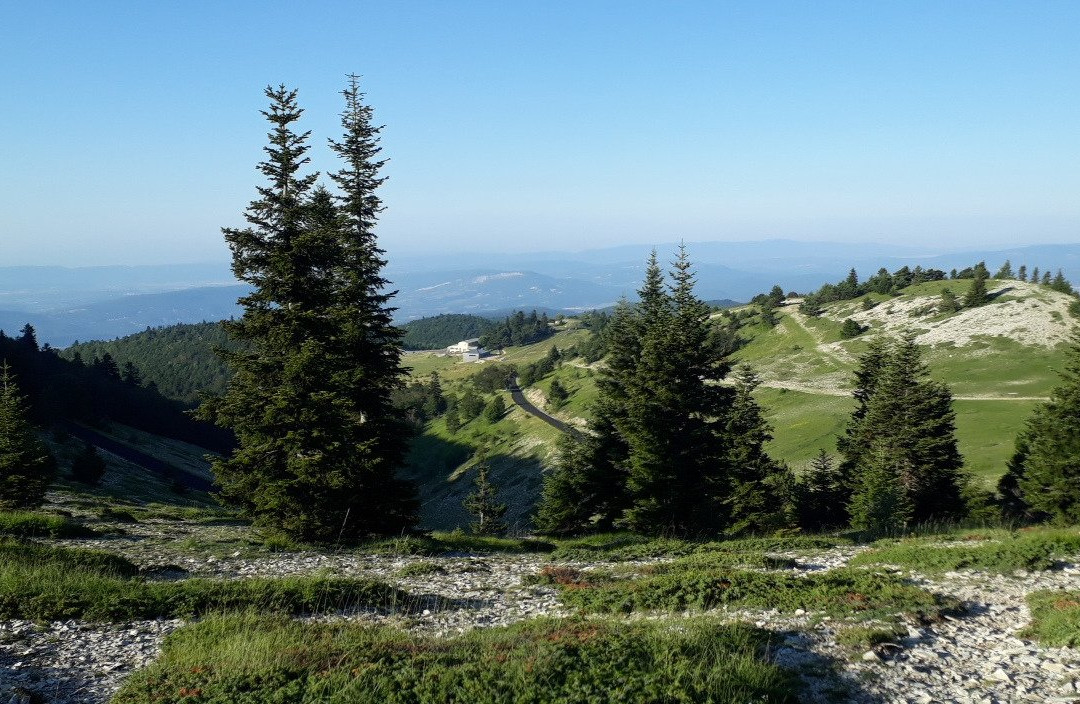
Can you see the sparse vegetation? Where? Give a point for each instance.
(990, 551)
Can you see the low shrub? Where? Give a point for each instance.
(247, 659)
(855, 593)
(1038, 549)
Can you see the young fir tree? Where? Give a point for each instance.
(976, 293)
(1046, 468)
(318, 443)
(495, 410)
(1046, 281)
(1005, 272)
(759, 496)
(26, 467)
(853, 442)
(1022, 273)
(822, 499)
(879, 504)
(483, 503)
(948, 303)
(1035, 275)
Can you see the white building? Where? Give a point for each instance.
(464, 346)
(470, 350)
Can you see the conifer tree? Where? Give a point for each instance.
(1060, 283)
(976, 294)
(1047, 466)
(318, 443)
(1046, 280)
(879, 504)
(822, 499)
(88, 467)
(676, 412)
(586, 489)
(948, 302)
(1022, 273)
(483, 503)
(26, 466)
(758, 497)
(906, 426)
(1005, 272)
(1035, 275)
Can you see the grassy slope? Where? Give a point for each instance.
(519, 445)
(810, 355)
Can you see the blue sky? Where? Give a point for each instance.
(131, 130)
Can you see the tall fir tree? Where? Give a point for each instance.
(318, 444)
(822, 500)
(676, 412)
(26, 466)
(586, 489)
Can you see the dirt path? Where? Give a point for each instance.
(808, 389)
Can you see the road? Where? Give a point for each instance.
(519, 399)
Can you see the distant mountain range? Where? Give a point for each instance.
(68, 304)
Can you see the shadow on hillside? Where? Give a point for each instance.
(1000, 292)
(434, 464)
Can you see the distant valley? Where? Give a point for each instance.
(69, 304)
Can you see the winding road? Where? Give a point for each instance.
(519, 398)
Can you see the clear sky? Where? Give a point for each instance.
(131, 130)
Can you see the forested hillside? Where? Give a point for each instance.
(178, 360)
(95, 390)
(444, 330)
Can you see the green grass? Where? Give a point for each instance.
(28, 524)
(454, 542)
(616, 547)
(853, 593)
(420, 569)
(247, 659)
(50, 583)
(1055, 618)
(97, 562)
(862, 637)
(990, 550)
(986, 435)
(803, 423)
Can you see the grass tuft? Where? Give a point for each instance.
(29, 524)
(1055, 618)
(616, 547)
(455, 542)
(50, 583)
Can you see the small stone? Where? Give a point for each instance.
(800, 612)
(1000, 675)
(870, 656)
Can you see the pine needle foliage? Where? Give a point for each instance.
(483, 503)
(26, 467)
(1045, 472)
(309, 399)
(903, 430)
